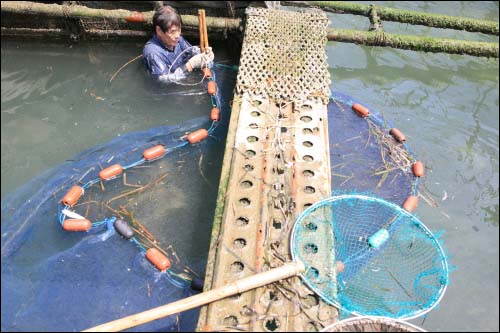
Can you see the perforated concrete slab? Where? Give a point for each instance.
(276, 164)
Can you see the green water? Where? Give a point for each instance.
(56, 100)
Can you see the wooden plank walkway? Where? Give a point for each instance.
(276, 164)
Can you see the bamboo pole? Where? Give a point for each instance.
(77, 11)
(404, 16)
(406, 42)
(205, 32)
(202, 31)
(258, 280)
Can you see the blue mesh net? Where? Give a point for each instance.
(67, 281)
(364, 157)
(370, 257)
(55, 280)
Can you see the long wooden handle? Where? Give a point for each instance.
(201, 23)
(248, 283)
(205, 32)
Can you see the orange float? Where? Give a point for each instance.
(206, 72)
(158, 259)
(418, 169)
(212, 87)
(153, 152)
(111, 171)
(215, 114)
(361, 110)
(72, 196)
(197, 135)
(397, 134)
(76, 225)
(410, 203)
(136, 17)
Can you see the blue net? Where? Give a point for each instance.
(364, 157)
(54, 280)
(370, 257)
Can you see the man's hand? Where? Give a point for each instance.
(200, 60)
(196, 50)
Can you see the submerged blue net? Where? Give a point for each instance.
(364, 156)
(66, 281)
(63, 281)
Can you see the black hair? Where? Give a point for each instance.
(166, 17)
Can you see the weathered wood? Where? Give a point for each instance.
(404, 16)
(406, 42)
(77, 11)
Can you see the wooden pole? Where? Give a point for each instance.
(205, 33)
(202, 30)
(415, 43)
(258, 280)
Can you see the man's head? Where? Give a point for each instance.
(167, 26)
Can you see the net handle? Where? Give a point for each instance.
(258, 280)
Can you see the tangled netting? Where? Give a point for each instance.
(370, 257)
(53, 280)
(364, 157)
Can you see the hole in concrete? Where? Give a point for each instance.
(311, 248)
(308, 158)
(307, 131)
(250, 153)
(311, 226)
(313, 271)
(253, 126)
(307, 144)
(272, 324)
(252, 139)
(248, 167)
(284, 129)
(306, 107)
(279, 170)
(306, 119)
(245, 202)
(309, 189)
(311, 300)
(240, 243)
(246, 184)
(242, 221)
(277, 156)
(308, 173)
(255, 114)
(278, 186)
(307, 205)
(237, 267)
(230, 321)
(276, 224)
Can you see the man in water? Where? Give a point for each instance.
(168, 56)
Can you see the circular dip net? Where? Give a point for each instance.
(368, 256)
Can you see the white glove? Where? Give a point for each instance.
(209, 55)
(177, 75)
(201, 60)
(196, 61)
(195, 50)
